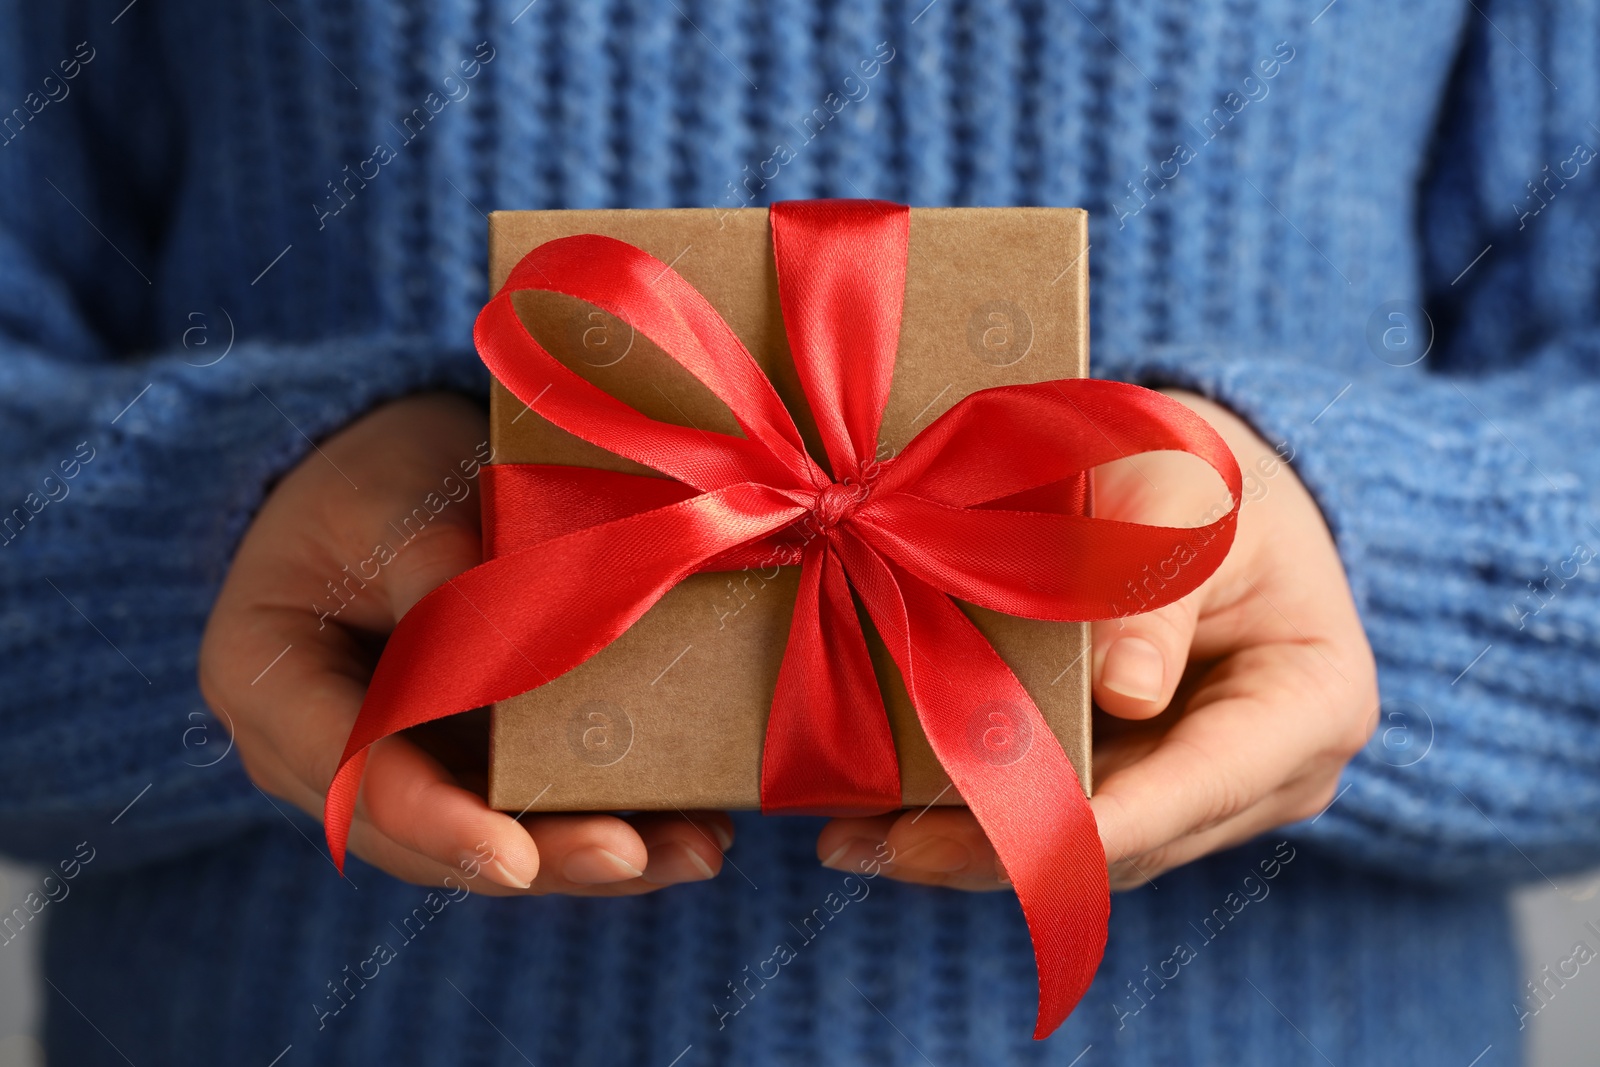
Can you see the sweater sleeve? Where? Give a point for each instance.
(128, 469)
(1460, 480)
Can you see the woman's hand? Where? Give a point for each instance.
(1231, 711)
(368, 524)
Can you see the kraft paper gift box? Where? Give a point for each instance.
(673, 713)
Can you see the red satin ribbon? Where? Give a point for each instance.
(984, 505)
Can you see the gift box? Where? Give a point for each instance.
(673, 713)
(790, 510)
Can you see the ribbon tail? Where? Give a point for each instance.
(828, 748)
(1008, 767)
(518, 621)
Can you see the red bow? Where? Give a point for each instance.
(973, 508)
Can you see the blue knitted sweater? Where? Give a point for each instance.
(1369, 228)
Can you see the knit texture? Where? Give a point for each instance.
(187, 187)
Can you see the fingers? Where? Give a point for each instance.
(412, 800)
(1138, 661)
(1189, 783)
(944, 846)
(683, 849)
(1299, 800)
(1263, 721)
(1213, 781)
(855, 844)
(325, 570)
(374, 848)
(416, 822)
(581, 854)
(935, 846)
(604, 855)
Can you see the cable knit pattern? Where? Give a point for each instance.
(201, 183)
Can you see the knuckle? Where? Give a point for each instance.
(1227, 799)
(439, 552)
(1359, 724)
(1314, 802)
(208, 684)
(207, 675)
(1170, 628)
(442, 545)
(1222, 793)
(254, 769)
(1357, 738)
(1140, 871)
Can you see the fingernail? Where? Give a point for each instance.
(676, 862)
(1000, 874)
(936, 855)
(856, 854)
(723, 835)
(594, 865)
(498, 872)
(1134, 668)
(493, 870)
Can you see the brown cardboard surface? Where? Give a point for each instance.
(673, 713)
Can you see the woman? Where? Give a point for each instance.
(1360, 239)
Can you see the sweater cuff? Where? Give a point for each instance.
(125, 569)
(1462, 561)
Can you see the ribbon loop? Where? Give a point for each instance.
(841, 312)
(644, 293)
(985, 505)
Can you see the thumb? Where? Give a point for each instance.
(1138, 660)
